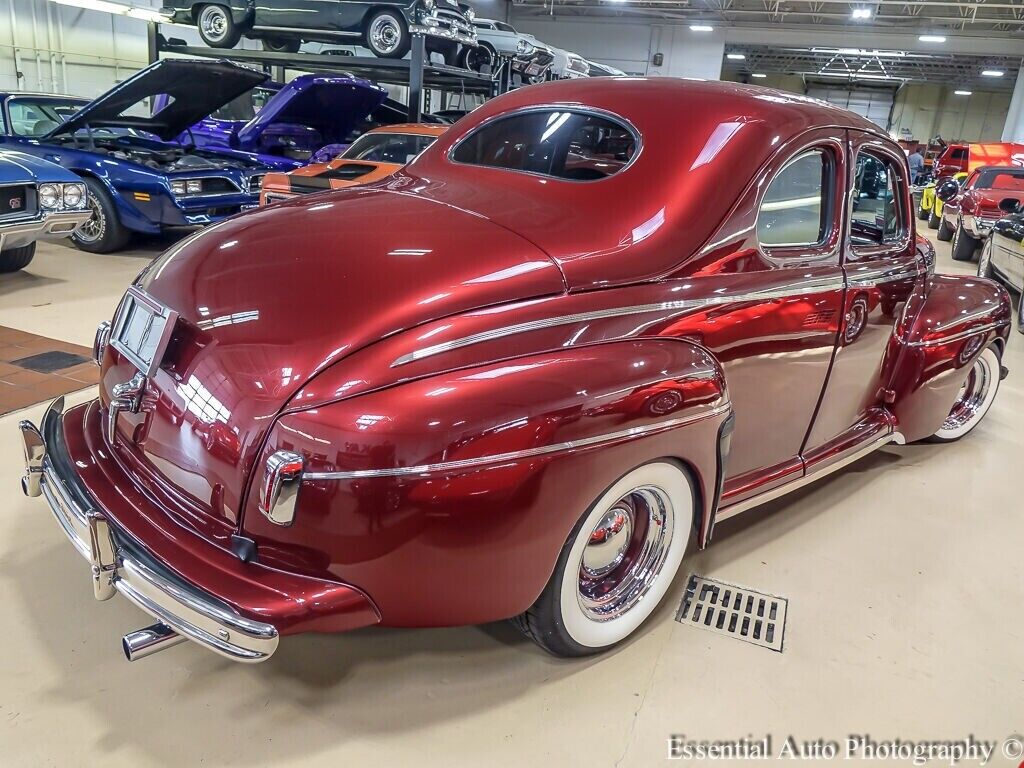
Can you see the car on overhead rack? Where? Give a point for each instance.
(1002, 254)
(512, 380)
(385, 27)
(533, 65)
(971, 209)
(38, 200)
(373, 156)
(604, 70)
(568, 65)
(139, 180)
(310, 114)
(495, 39)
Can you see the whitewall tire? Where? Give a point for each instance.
(617, 563)
(974, 398)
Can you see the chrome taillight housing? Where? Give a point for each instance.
(100, 341)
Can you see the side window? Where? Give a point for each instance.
(795, 210)
(877, 217)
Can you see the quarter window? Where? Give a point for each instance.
(794, 210)
(876, 218)
(562, 144)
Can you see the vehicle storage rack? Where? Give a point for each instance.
(417, 72)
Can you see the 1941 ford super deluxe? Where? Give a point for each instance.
(518, 377)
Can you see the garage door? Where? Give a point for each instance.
(873, 103)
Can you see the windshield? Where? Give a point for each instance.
(246, 106)
(398, 148)
(37, 116)
(1005, 178)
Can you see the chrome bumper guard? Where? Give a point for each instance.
(20, 232)
(445, 28)
(120, 564)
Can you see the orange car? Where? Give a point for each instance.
(371, 157)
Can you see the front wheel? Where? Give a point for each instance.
(985, 260)
(945, 233)
(14, 259)
(387, 35)
(617, 564)
(973, 400)
(217, 28)
(281, 44)
(964, 246)
(102, 232)
(923, 213)
(477, 57)
(933, 220)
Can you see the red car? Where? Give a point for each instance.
(962, 158)
(518, 377)
(970, 210)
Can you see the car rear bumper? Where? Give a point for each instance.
(15, 234)
(234, 608)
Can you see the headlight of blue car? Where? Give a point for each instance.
(56, 197)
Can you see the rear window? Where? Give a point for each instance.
(567, 145)
(960, 153)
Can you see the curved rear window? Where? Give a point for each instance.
(550, 142)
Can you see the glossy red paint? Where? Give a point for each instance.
(455, 313)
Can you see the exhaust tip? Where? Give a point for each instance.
(145, 642)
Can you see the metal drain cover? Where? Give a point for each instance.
(738, 612)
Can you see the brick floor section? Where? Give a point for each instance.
(20, 388)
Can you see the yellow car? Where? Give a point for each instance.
(931, 206)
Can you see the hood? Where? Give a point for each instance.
(333, 105)
(19, 168)
(193, 90)
(269, 299)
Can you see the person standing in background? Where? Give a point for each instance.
(916, 161)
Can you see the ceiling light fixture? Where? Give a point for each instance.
(117, 9)
(735, 56)
(962, 93)
(860, 14)
(992, 72)
(758, 75)
(931, 38)
(701, 28)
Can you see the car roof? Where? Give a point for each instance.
(420, 129)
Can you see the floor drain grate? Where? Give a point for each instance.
(48, 362)
(726, 609)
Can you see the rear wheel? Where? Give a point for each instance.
(945, 233)
(217, 28)
(617, 563)
(477, 57)
(386, 35)
(964, 245)
(973, 400)
(923, 213)
(14, 259)
(985, 260)
(281, 44)
(103, 232)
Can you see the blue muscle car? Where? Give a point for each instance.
(138, 179)
(37, 200)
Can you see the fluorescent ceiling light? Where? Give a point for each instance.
(735, 56)
(117, 9)
(962, 93)
(931, 38)
(861, 13)
(701, 28)
(758, 75)
(992, 72)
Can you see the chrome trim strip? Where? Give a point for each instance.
(529, 453)
(742, 506)
(330, 32)
(957, 336)
(869, 279)
(821, 284)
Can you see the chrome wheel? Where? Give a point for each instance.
(974, 398)
(625, 553)
(91, 230)
(214, 24)
(385, 34)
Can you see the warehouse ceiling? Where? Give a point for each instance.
(1004, 18)
(827, 64)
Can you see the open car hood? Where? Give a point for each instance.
(195, 88)
(332, 105)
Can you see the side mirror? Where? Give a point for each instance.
(1009, 205)
(947, 190)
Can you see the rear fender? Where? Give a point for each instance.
(947, 324)
(448, 498)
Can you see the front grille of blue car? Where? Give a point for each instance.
(16, 200)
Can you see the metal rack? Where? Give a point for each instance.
(417, 72)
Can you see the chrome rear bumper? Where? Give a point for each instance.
(120, 564)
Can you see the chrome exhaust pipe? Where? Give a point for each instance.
(145, 642)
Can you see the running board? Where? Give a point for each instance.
(742, 506)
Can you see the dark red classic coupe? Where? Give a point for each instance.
(517, 378)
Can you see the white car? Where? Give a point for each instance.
(494, 39)
(604, 70)
(568, 65)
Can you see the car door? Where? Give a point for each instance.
(881, 268)
(314, 15)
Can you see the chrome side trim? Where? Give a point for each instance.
(870, 279)
(331, 32)
(529, 453)
(742, 506)
(821, 284)
(957, 336)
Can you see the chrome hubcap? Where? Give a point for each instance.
(625, 553)
(385, 34)
(91, 230)
(213, 22)
(971, 397)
